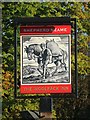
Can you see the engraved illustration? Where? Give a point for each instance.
(45, 59)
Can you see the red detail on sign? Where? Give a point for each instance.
(38, 30)
(40, 89)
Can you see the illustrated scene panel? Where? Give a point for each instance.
(45, 59)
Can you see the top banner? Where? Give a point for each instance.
(38, 30)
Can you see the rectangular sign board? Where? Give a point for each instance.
(45, 59)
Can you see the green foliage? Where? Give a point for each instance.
(83, 62)
(63, 108)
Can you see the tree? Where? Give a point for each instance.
(81, 11)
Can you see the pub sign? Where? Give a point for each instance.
(45, 55)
